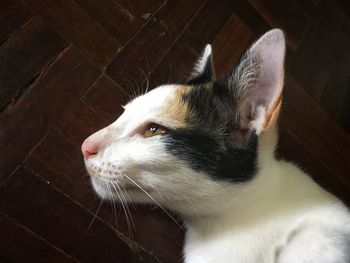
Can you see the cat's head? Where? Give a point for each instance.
(183, 145)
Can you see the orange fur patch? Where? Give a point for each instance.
(176, 110)
(272, 115)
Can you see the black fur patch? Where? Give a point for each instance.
(203, 77)
(212, 142)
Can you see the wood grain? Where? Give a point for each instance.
(19, 244)
(25, 56)
(151, 43)
(78, 28)
(41, 106)
(25, 194)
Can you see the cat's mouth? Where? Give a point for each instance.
(117, 186)
(113, 181)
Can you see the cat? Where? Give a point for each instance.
(204, 148)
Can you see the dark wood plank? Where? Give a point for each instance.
(19, 244)
(321, 64)
(61, 163)
(156, 232)
(315, 133)
(309, 6)
(141, 8)
(344, 112)
(26, 122)
(13, 15)
(106, 96)
(283, 14)
(24, 57)
(152, 42)
(233, 39)
(120, 22)
(344, 5)
(174, 67)
(80, 121)
(249, 16)
(207, 24)
(179, 61)
(62, 222)
(77, 27)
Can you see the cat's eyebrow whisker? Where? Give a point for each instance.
(146, 79)
(160, 206)
(131, 88)
(149, 73)
(139, 89)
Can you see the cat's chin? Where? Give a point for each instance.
(100, 188)
(134, 194)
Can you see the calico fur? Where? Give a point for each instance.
(214, 166)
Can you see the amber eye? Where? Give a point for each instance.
(153, 129)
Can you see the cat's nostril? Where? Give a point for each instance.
(89, 149)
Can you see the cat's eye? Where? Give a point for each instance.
(154, 129)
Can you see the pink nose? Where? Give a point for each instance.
(89, 149)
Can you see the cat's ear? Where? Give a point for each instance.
(204, 68)
(258, 82)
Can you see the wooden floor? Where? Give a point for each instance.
(65, 68)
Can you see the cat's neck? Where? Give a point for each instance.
(236, 201)
(277, 188)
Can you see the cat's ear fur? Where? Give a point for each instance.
(258, 82)
(204, 69)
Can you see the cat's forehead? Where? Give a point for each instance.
(163, 105)
(154, 99)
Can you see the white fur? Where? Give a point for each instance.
(258, 122)
(282, 216)
(202, 61)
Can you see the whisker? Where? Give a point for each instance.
(129, 198)
(149, 72)
(161, 207)
(132, 92)
(139, 89)
(127, 90)
(146, 79)
(130, 217)
(112, 201)
(126, 196)
(122, 197)
(95, 215)
(114, 204)
(124, 208)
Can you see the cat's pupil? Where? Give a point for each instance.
(153, 129)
